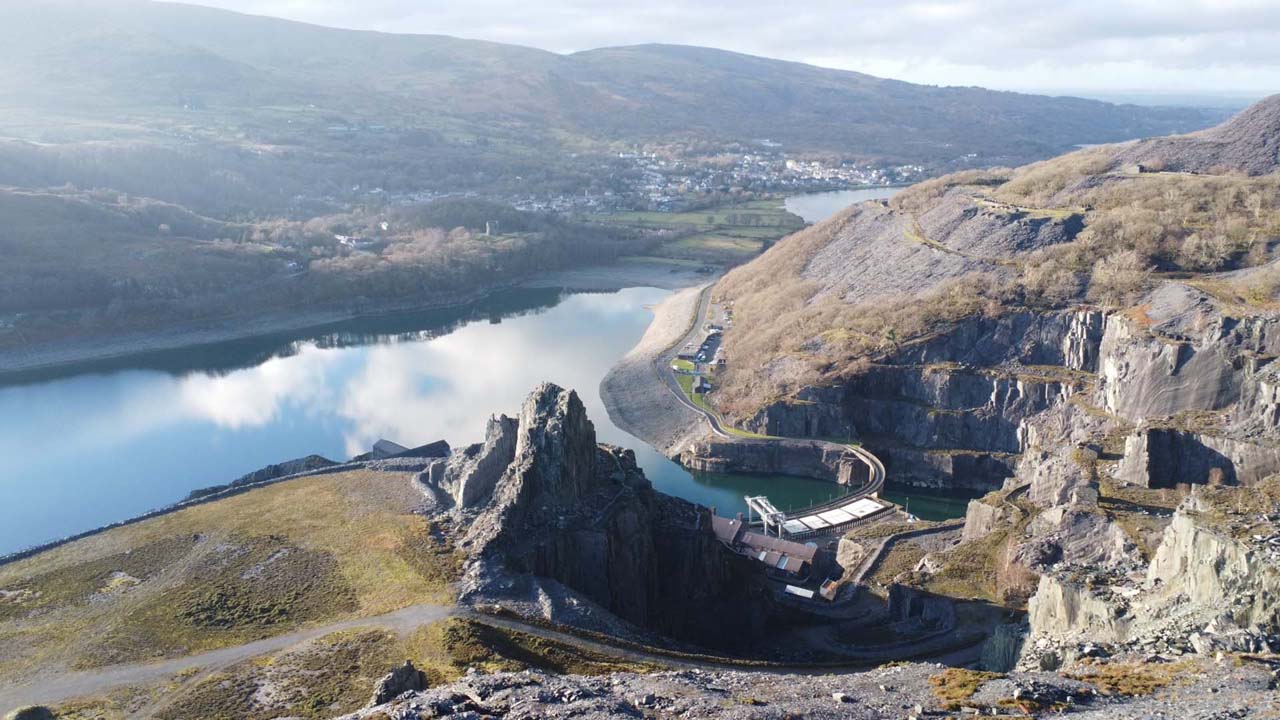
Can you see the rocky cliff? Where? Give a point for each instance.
(558, 526)
(1213, 584)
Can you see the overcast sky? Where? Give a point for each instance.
(1159, 46)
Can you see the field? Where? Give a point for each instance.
(336, 673)
(729, 234)
(290, 556)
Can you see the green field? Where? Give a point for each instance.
(728, 234)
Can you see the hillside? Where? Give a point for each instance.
(1101, 226)
(90, 266)
(1092, 341)
(233, 113)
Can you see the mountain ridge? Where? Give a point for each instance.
(632, 92)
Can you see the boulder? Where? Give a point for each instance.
(399, 681)
(980, 519)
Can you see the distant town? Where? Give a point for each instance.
(685, 178)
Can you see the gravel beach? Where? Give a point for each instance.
(634, 395)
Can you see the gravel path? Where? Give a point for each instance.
(633, 392)
(53, 688)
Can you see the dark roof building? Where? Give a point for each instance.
(791, 558)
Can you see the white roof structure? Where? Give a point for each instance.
(799, 591)
(794, 526)
(854, 510)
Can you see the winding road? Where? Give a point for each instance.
(54, 687)
(57, 687)
(662, 366)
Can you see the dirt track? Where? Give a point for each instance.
(53, 688)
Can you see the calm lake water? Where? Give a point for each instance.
(89, 445)
(816, 207)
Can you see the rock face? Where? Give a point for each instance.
(800, 458)
(953, 410)
(1204, 589)
(1165, 457)
(980, 519)
(403, 679)
(568, 521)
(468, 477)
(867, 257)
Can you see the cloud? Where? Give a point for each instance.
(1153, 45)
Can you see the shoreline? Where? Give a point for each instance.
(17, 362)
(635, 398)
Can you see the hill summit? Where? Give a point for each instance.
(1248, 143)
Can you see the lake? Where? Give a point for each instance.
(88, 445)
(816, 207)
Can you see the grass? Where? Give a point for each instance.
(219, 574)
(877, 530)
(333, 675)
(472, 644)
(1133, 679)
(712, 247)
(902, 557)
(683, 365)
(686, 386)
(336, 674)
(954, 687)
(729, 233)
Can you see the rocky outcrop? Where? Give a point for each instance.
(1077, 534)
(980, 519)
(467, 478)
(1182, 355)
(572, 525)
(1208, 586)
(1203, 690)
(1056, 478)
(1199, 563)
(270, 472)
(1065, 615)
(399, 681)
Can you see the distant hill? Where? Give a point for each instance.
(134, 56)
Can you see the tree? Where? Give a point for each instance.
(1118, 277)
(1204, 252)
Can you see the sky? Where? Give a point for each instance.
(1216, 47)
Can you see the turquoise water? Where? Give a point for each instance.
(105, 441)
(928, 504)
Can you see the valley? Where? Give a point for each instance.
(360, 374)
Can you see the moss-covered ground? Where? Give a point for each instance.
(247, 567)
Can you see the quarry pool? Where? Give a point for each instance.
(105, 441)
